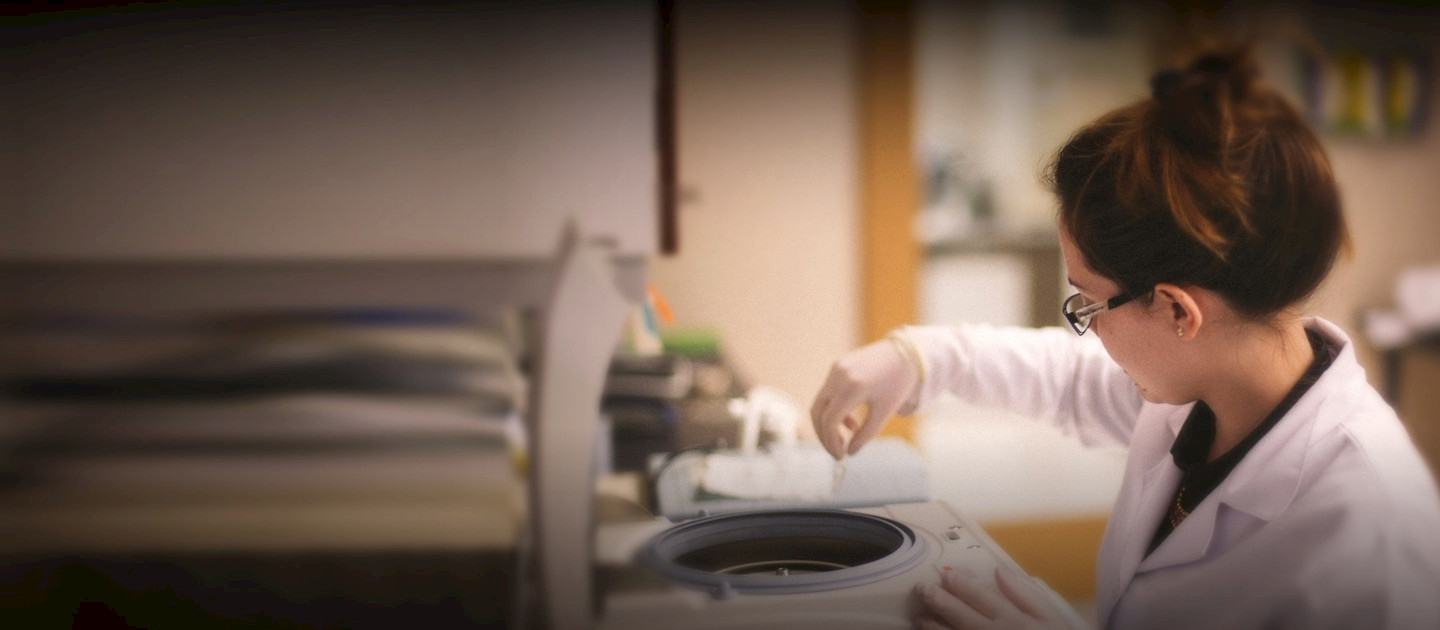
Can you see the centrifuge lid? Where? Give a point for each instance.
(583, 320)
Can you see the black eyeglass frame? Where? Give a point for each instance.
(1080, 318)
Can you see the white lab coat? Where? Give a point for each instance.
(1331, 521)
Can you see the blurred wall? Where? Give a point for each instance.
(1391, 192)
(1002, 85)
(348, 129)
(768, 167)
(1388, 184)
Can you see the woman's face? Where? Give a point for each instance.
(1139, 335)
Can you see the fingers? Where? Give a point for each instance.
(821, 418)
(1023, 593)
(823, 431)
(829, 436)
(877, 417)
(876, 375)
(985, 600)
(948, 609)
(840, 396)
(822, 400)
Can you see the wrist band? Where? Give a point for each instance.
(910, 351)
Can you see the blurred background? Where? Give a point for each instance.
(270, 273)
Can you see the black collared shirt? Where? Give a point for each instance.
(1192, 445)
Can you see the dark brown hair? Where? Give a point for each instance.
(1215, 181)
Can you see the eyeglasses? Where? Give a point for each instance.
(1080, 314)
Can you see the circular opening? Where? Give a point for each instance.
(781, 567)
(810, 554)
(783, 551)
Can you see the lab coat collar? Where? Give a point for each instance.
(1156, 493)
(1264, 483)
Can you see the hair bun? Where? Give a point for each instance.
(1236, 69)
(1212, 65)
(1164, 83)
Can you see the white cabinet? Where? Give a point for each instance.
(336, 133)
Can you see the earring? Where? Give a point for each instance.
(1179, 331)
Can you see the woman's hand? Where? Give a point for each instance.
(878, 376)
(1013, 602)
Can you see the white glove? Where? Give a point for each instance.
(881, 376)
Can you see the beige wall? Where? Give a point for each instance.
(1391, 191)
(351, 132)
(768, 168)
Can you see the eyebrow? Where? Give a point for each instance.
(1075, 284)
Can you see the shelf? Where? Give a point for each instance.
(990, 242)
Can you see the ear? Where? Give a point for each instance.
(1185, 311)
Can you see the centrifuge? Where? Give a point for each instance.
(791, 568)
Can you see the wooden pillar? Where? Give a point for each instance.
(890, 187)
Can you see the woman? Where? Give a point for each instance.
(1267, 484)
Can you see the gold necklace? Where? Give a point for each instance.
(1178, 511)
